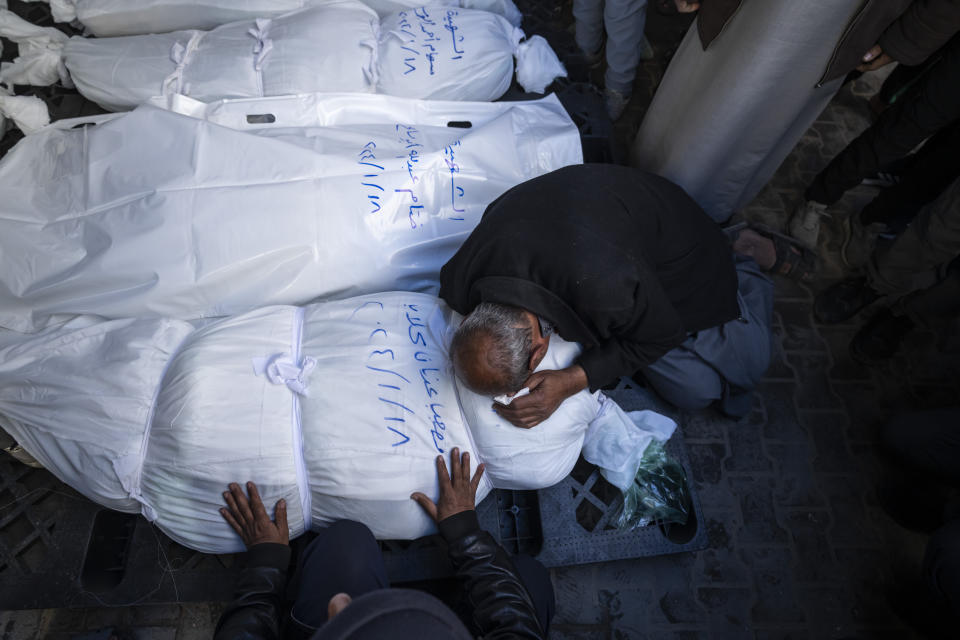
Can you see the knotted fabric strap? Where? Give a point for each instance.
(181, 54)
(282, 369)
(264, 44)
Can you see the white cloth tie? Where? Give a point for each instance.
(181, 55)
(264, 45)
(282, 369)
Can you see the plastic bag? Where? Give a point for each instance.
(658, 494)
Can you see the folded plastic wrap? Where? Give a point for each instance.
(246, 203)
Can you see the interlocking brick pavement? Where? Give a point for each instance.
(799, 547)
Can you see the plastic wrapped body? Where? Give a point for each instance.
(157, 213)
(338, 407)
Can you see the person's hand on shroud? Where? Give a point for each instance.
(874, 59)
(548, 389)
(250, 518)
(458, 492)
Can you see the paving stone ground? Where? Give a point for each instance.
(799, 547)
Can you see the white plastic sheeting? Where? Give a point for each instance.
(440, 53)
(39, 58)
(459, 54)
(132, 17)
(28, 113)
(338, 407)
(156, 213)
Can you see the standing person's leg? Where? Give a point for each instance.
(934, 167)
(882, 336)
(896, 132)
(911, 263)
(929, 306)
(536, 579)
(931, 241)
(624, 21)
(588, 21)
(343, 558)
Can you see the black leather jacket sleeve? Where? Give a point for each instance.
(501, 606)
(258, 598)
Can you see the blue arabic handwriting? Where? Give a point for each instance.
(419, 33)
(428, 383)
(383, 359)
(368, 303)
(407, 136)
(452, 28)
(450, 157)
(396, 390)
(438, 425)
(374, 170)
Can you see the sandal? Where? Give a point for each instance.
(793, 260)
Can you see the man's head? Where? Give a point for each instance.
(497, 347)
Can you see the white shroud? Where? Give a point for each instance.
(158, 213)
(338, 407)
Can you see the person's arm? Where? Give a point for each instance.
(254, 612)
(923, 28)
(643, 331)
(548, 389)
(501, 606)
(627, 354)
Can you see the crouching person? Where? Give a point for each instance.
(343, 589)
(623, 262)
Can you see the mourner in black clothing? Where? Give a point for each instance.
(622, 261)
(343, 590)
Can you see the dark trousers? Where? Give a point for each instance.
(345, 558)
(923, 262)
(928, 443)
(934, 105)
(930, 171)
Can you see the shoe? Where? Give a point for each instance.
(804, 224)
(646, 49)
(880, 339)
(859, 240)
(615, 102)
(773, 251)
(843, 300)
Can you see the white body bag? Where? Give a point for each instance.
(338, 407)
(159, 213)
(131, 17)
(435, 52)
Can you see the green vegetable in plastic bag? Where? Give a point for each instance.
(658, 494)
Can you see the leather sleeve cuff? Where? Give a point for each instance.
(459, 525)
(269, 554)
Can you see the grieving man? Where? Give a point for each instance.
(623, 262)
